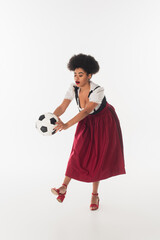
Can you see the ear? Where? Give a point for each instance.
(89, 75)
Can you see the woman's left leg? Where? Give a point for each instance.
(94, 198)
(95, 186)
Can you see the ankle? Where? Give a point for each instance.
(64, 185)
(94, 194)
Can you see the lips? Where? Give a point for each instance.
(77, 82)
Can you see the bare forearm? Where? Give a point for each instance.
(58, 111)
(77, 118)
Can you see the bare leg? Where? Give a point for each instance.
(95, 187)
(65, 181)
(94, 198)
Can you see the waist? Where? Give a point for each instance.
(106, 107)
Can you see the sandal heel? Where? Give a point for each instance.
(94, 204)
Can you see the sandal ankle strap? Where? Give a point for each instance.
(94, 193)
(64, 185)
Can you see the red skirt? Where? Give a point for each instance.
(97, 150)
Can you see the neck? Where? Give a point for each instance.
(85, 88)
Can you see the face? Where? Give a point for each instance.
(80, 77)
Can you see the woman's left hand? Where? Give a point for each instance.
(60, 125)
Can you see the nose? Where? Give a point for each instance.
(76, 78)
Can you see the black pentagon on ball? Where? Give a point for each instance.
(41, 117)
(44, 129)
(53, 120)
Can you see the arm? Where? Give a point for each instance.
(77, 118)
(59, 111)
(85, 112)
(62, 108)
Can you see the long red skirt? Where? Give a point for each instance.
(97, 150)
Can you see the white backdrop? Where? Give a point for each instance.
(37, 39)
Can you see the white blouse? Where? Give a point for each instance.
(96, 96)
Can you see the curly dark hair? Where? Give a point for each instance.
(87, 62)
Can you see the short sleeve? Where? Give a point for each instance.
(97, 95)
(70, 93)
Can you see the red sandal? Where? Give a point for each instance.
(56, 191)
(93, 204)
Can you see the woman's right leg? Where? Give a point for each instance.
(65, 181)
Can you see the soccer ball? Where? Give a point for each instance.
(46, 123)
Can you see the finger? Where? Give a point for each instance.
(56, 128)
(57, 125)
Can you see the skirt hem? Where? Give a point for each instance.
(95, 180)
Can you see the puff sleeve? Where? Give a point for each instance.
(97, 95)
(70, 93)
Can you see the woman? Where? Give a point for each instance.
(97, 150)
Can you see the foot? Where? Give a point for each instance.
(61, 190)
(94, 200)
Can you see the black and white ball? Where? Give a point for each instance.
(46, 123)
